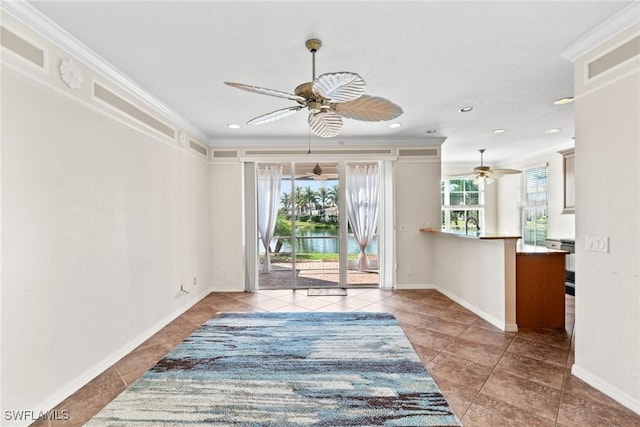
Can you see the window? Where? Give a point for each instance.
(461, 199)
(534, 206)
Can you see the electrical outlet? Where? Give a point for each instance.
(597, 243)
(195, 281)
(404, 227)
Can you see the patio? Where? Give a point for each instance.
(314, 274)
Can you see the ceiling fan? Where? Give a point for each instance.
(328, 98)
(318, 175)
(485, 175)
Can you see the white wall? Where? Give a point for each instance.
(417, 203)
(607, 205)
(227, 236)
(101, 224)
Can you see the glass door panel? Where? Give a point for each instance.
(317, 229)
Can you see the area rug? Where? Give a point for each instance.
(286, 369)
(323, 292)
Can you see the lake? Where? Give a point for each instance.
(323, 241)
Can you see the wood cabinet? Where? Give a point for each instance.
(569, 173)
(540, 289)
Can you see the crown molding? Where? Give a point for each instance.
(52, 32)
(613, 26)
(334, 142)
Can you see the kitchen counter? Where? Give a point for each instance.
(471, 235)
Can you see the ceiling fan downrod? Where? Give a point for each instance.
(313, 45)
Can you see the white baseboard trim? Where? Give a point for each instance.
(406, 286)
(605, 387)
(219, 290)
(74, 385)
(507, 327)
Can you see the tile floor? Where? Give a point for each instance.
(490, 378)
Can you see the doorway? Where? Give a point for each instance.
(324, 231)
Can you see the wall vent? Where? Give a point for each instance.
(419, 152)
(126, 107)
(614, 57)
(21, 47)
(197, 147)
(225, 154)
(382, 151)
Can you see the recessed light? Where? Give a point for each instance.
(562, 101)
(432, 130)
(233, 126)
(466, 109)
(498, 131)
(395, 125)
(554, 130)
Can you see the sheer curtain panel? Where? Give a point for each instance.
(269, 178)
(362, 205)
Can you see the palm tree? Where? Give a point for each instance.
(299, 200)
(311, 199)
(333, 195)
(285, 201)
(323, 196)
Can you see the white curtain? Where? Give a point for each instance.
(269, 178)
(362, 205)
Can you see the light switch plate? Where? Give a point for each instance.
(597, 243)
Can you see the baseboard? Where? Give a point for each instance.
(507, 327)
(407, 286)
(613, 392)
(110, 360)
(218, 290)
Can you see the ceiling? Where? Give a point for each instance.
(431, 58)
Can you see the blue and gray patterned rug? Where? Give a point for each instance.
(286, 369)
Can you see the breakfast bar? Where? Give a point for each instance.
(506, 284)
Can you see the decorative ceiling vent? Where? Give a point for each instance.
(381, 151)
(21, 47)
(614, 57)
(225, 154)
(197, 147)
(418, 152)
(105, 95)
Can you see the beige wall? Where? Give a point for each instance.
(102, 221)
(607, 205)
(417, 204)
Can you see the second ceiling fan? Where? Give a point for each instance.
(329, 97)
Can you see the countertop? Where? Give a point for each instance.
(538, 250)
(473, 235)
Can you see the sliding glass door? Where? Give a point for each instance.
(313, 244)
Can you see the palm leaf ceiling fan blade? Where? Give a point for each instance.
(339, 87)
(325, 124)
(265, 91)
(327, 97)
(275, 115)
(505, 171)
(368, 108)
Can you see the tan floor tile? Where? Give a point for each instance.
(482, 335)
(460, 371)
(536, 350)
(527, 395)
(488, 412)
(484, 354)
(428, 338)
(548, 374)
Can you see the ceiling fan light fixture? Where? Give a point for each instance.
(317, 170)
(562, 101)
